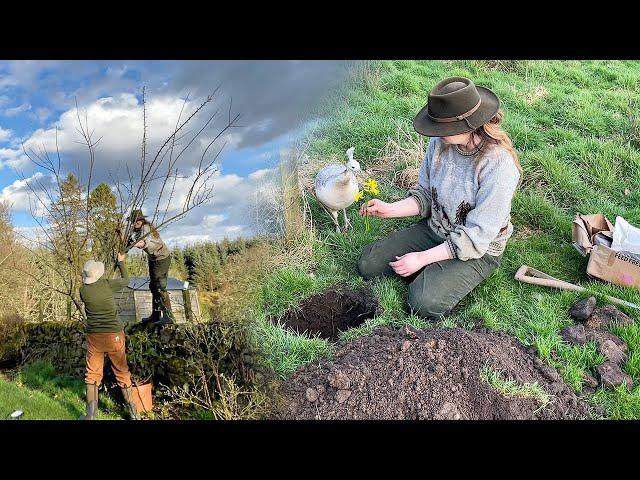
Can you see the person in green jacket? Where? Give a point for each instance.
(105, 333)
(146, 237)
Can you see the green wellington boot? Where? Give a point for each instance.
(92, 402)
(127, 393)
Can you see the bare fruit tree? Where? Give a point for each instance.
(65, 205)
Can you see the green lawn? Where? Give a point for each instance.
(576, 126)
(43, 395)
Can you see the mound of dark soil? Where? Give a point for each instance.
(426, 374)
(332, 312)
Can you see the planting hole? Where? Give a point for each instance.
(332, 312)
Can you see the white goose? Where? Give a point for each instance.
(336, 187)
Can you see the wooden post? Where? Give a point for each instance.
(293, 222)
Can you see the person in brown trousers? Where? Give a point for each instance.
(105, 334)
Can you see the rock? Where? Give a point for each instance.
(339, 380)
(411, 332)
(589, 381)
(574, 334)
(406, 345)
(601, 336)
(583, 309)
(556, 387)
(613, 353)
(342, 395)
(383, 331)
(448, 411)
(312, 395)
(608, 316)
(549, 372)
(611, 375)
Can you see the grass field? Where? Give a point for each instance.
(576, 126)
(43, 395)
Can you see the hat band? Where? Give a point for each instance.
(457, 117)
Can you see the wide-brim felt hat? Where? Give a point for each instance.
(136, 215)
(455, 106)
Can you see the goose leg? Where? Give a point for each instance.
(334, 217)
(347, 223)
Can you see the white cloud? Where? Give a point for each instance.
(118, 120)
(43, 113)
(5, 134)
(13, 111)
(13, 158)
(28, 235)
(20, 195)
(260, 174)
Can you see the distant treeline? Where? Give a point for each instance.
(202, 264)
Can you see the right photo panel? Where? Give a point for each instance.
(459, 240)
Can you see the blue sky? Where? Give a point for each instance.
(273, 98)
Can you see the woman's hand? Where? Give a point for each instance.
(139, 244)
(376, 208)
(409, 263)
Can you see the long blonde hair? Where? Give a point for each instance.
(154, 232)
(491, 132)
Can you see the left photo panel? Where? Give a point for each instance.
(137, 204)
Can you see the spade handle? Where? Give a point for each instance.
(530, 275)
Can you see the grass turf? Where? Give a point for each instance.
(576, 126)
(41, 394)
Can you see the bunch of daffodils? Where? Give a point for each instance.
(369, 190)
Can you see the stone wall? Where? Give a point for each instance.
(168, 358)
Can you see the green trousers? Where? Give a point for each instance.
(438, 287)
(158, 273)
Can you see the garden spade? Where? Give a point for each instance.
(530, 275)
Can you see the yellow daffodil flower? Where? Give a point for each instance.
(358, 196)
(371, 186)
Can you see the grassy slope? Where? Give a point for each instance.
(42, 395)
(576, 126)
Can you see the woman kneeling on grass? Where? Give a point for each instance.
(465, 187)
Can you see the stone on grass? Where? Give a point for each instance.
(411, 332)
(583, 309)
(601, 336)
(589, 381)
(613, 353)
(611, 375)
(608, 316)
(574, 334)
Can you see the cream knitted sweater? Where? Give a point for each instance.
(467, 197)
